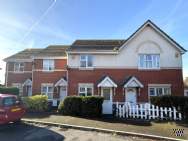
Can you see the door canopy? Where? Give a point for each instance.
(28, 82)
(107, 82)
(132, 82)
(61, 82)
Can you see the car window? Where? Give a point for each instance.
(9, 101)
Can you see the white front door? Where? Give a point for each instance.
(131, 95)
(63, 92)
(107, 104)
(29, 91)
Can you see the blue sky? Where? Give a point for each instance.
(39, 23)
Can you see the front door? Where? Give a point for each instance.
(131, 95)
(107, 104)
(63, 92)
(29, 91)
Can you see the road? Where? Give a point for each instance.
(26, 132)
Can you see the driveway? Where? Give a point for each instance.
(26, 132)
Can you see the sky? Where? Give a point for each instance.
(39, 23)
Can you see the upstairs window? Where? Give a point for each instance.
(149, 61)
(86, 61)
(85, 89)
(18, 67)
(48, 64)
(47, 89)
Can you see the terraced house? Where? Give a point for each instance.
(148, 63)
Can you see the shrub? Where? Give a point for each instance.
(71, 106)
(37, 103)
(9, 90)
(180, 102)
(90, 106)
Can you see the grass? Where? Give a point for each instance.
(146, 127)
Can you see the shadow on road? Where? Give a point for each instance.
(25, 132)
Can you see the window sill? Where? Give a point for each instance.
(149, 69)
(86, 68)
(18, 72)
(48, 71)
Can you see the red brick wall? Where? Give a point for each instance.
(171, 76)
(40, 77)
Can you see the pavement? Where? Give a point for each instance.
(36, 132)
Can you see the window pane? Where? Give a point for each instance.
(152, 91)
(83, 57)
(166, 91)
(50, 95)
(106, 93)
(9, 101)
(82, 63)
(89, 91)
(90, 60)
(50, 89)
(159, 91)
(141, 61)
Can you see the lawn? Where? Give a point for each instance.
(146, 127)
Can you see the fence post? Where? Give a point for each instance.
(141, 112)
(170, 113)
(161, 110)
(123, 111)
(133, 111)
(117, 112)
(174, 110)
(137, 114)
(180, 116)
(153, 112)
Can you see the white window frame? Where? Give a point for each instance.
(158, 87)
(86, 61)
(47, 85)
(19, 86)
(155, 63)
(48, 65)
(20, 66)
(186, 92)
(85, 86)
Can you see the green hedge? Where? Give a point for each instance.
(89, 106)
(180, 102)
(9, 90)
(37, 103)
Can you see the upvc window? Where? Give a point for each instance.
(149, 61)
(48, 64)
(86, 89)
(47, 89)
(159, 91)
(18, 67)
(86, 61)
(19, 86)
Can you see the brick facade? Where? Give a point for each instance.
(163, 76)
(40, 76)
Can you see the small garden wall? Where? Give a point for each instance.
(9, 90)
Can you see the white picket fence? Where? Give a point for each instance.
(146, 111)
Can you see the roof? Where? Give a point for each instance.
(106, 81)
(50, 51)
(94, 45)
(25, 54)
(132, 81)
(53, 51)
(115, 45)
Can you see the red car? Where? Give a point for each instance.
(11, 109)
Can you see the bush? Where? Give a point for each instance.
(9, 90)
(180, 102)
(37, 103)
(71, 106)
(90, 106)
